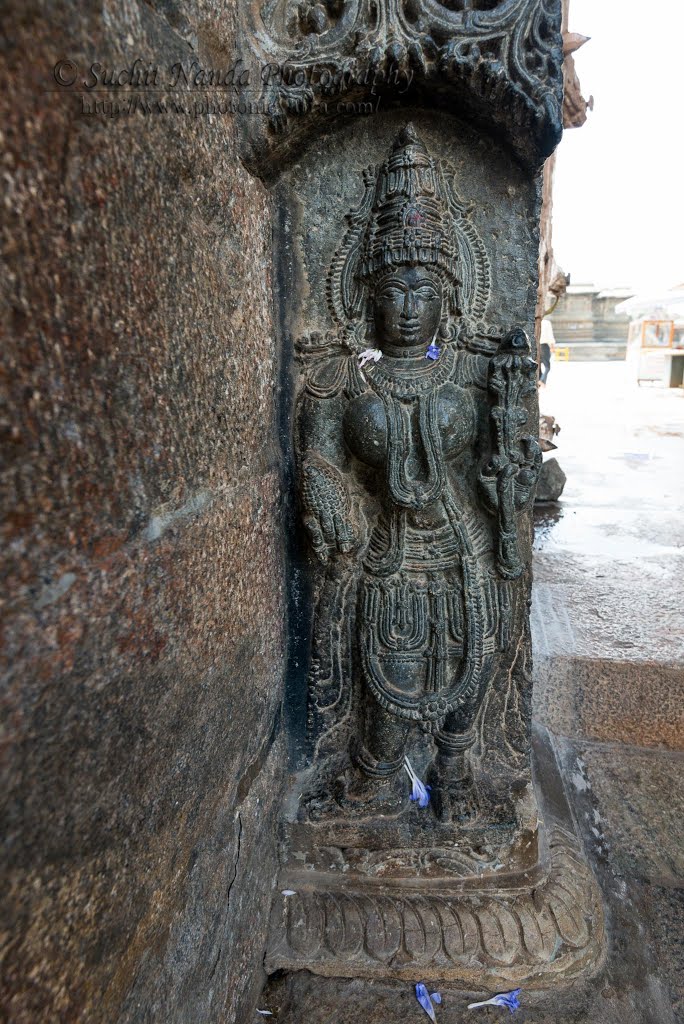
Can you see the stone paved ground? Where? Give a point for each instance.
(608, 621)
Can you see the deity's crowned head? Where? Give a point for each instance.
(407, 249)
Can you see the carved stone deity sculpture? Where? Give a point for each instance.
(413, 413)
(398, 459)
(425, 834)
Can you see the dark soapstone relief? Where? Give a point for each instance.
(499, 62)
(408, 298)
(403, 143)
(432, 599)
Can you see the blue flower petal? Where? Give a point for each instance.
(419, 791)
(423, 997)
(435, 997)
(507, 999)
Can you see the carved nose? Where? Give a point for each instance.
(409, 310)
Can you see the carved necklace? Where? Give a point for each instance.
(416, 385)
(408, 491)
(386, 376)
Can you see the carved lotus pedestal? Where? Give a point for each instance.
(481, 907)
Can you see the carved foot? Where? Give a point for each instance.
(452, 799)
(355, 795)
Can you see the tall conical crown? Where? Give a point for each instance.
(409, 220)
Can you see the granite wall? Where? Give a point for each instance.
(142, 562)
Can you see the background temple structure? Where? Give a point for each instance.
(585, 316)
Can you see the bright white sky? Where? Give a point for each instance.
(618, 214)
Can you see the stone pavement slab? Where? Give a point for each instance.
(638, 808)
(608, 601)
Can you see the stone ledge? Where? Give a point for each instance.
(631, 702)
(500, 938)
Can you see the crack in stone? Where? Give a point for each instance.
(237, 858)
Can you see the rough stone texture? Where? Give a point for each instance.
(627, 802)
(638, 703)
(308, 1000)
(609, 669)
(641, 833)
(143, 607)
(665, 908)
(551, 481)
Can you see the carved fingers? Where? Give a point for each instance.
(327, 509)
(344, 534)
(316, 537)
(329, 534)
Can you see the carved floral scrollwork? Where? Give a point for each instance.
(503, 58)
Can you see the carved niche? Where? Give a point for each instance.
(416, 457)
(398, 457)
(406, 244)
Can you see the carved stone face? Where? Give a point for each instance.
(407, 308)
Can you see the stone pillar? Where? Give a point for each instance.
(142, 562)
(404, 146)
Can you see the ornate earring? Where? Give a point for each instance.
(447, 331)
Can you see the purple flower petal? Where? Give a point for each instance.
(511, 999)
(435, 997)
(419, 791)
(424, 797)
(423, 997)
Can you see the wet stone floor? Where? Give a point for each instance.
(608, 633)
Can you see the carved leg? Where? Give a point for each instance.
(377, 755)
(380, 752)
(369, 785)
(453, 793)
